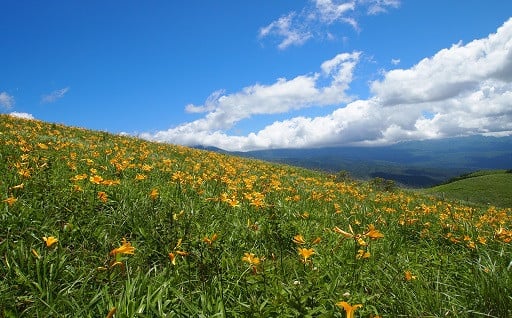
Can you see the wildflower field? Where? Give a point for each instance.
(99, 225)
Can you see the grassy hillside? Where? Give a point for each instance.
(483, 187)
(99, 225)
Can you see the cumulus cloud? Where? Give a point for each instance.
(462, 90)
(6, 100)
(314, 20)
(54, 96)
(22, 115)
(451, 71)
(224, 110)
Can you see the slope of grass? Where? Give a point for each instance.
(482, 187)
(98, 225)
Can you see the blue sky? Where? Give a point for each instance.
(243, 75)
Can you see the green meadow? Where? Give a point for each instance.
(481, 187)
(100, 225)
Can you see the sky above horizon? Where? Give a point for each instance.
(247, 75)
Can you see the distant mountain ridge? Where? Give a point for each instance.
(413, 163)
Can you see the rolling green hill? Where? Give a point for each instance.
(489, 187)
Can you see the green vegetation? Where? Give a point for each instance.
(99, 225)
(489, 187)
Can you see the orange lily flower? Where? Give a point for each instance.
(349, 309)
(210, 241)
(182, 253)
(10, 200)
(102, 196)
(305, 253)
(362, 254)
(409, 276)
(50, 240)
(373, 233)
(172, 257)
(111, 312)
(298, 239)
(251, 259)
(96, 179)
(125, 248)
(154, 194)
(344, 233)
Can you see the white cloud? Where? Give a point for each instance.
(395, 61)
(22, 115)
(329, 11)
(314, 20)
(224, 110)
(451, 71)
(462, 90)
(6, 100)
(380, 6)
(54, 96)
(285, 28)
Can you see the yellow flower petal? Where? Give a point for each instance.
(172, 257)
(298, 239)
(111, 312)
(349, 309)
(409, 276)
(306, 253)
(35, 253)
(50, 240)
(125, 248)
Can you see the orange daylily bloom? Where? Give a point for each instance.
(345, 234)
(79, 177)
(125, 248)
(298, 239)
(409, 276)
(10, 200)
(96, 179)
(172, 257)
(361, 242)
(362, 254)
(317, 240)
(139, 177)
(102, 196)
(373, 233)
(110, 182)
(111, 312)
(178, 244)
(19, 186)
(349, 309)
(154, 194)
(210, 241)
(117, 263)
(306, 253)
(146, 167)
(182, 253)
(251, 259)
(50, 240)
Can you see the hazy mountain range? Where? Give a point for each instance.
(413, 163)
